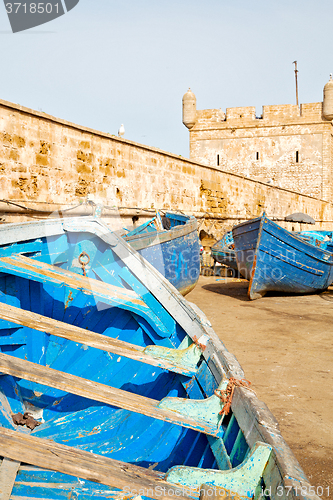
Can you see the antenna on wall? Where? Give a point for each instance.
(296, 71)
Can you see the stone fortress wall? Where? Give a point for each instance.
(48, 164)
(288, 146)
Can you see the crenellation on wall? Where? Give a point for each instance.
(210, 116)
(271, 115)
(312, 111)
(241, 114)
(280, 112)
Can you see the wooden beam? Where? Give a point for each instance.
(59, 276)
(99, 392)
(112, 295)
(80, 335)
(8, 472)
(47, 454)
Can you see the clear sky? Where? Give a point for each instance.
(109, 62)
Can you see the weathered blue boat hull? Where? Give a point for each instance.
(175, 252)
(119, 374)
(274, 259)
(70, 419)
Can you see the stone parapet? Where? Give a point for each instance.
(48, 164)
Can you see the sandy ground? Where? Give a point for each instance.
(284, 344)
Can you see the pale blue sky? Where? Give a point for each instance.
(110, 62)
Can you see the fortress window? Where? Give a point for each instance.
(257, 155)
(218, 160)
(297, 156)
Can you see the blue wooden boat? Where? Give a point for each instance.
(274, 259)
(113, 386)
(223, 251)
(322, 239)
(171, 244)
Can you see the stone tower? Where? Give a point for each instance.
(189, 109)
(328, 100)
(288, 146)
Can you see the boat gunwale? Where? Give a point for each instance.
(253, 416)
(297, 236)
(146, 240)
(303, 242)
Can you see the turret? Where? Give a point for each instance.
(189, 109)
(328, 100)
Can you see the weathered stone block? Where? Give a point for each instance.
(42, 159)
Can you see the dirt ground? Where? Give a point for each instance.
(284, 344)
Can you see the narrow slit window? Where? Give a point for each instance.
(257, 155)
(297, 156)
(218, 160)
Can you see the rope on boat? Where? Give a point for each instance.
(201, 342)
(227, 395)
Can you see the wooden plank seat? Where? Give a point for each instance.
(111, 295)
(47, 454)
(183, 482)
(202, 415)
(8, 472)
(181, 361)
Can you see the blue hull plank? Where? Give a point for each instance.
(110, 381)
(274, 259)
(174, 252)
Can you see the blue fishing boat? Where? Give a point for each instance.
(171, 244)
(223, 251)
(322, 239)
(274, 259)
(113, 386)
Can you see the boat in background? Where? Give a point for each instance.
(171, 244)
(113, 385)
(275, 259)
(223, 251)
(322, 239)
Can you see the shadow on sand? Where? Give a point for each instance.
(236, 289)
(327, 294)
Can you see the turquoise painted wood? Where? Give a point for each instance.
(187, 358)
(206, 410)
(242, 479)
(110, 360)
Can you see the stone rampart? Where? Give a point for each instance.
(48, 164)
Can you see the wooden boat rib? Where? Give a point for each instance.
(185, 362)
(106, 419)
